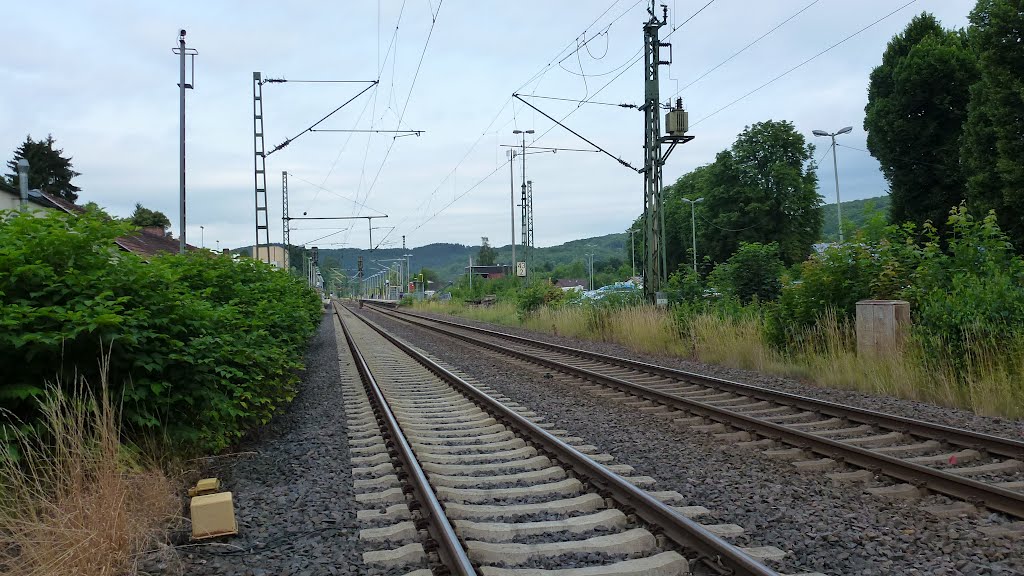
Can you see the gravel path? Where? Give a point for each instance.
(908, 408)
(294, 500)
(826, 528)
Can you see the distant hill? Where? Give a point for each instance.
(449, 260)
(855, 214)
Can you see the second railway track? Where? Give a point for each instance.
(503, 495)
(848, 443)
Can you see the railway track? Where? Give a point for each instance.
(495, 491)
(849, 444)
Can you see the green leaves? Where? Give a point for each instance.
(202, 347)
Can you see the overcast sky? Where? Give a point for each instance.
(100, 76)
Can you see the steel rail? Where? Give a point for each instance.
(1007, 447)
(678, 528)
(449, 547)
(961, 487)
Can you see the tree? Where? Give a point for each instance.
(752, 272)
(49, 170)
(917, 104)
(993, 140)
(430, 277)
(487, 255)
(143, 217)
(763, 189)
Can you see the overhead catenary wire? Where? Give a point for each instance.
(412, 86)
(318, 122)
(802, 64)
(745, 48)
(578, 135)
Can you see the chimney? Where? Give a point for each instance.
(157, 231)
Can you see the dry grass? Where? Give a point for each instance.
(78, 502)
(988, 382)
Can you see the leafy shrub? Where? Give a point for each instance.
(538, 294)
(752, 272)
(202, 347)
(970, 293)
(685, 285)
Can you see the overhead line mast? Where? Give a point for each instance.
(655, 262)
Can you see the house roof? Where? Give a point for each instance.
(146, 242)
(568, 282)
(54, 201)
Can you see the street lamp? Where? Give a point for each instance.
(525, 247)
(632, 250)
(835, 169)
(202, 237)
(693, 227)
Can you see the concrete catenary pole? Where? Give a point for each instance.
(181, 168)
(512, 202)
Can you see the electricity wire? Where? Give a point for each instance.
(802, 64)
(744, 49)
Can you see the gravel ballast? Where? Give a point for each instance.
(908, 408)
(827, 528)
(293, 497)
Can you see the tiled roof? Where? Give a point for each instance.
(57, 202)
(145, 243)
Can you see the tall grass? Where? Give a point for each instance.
(76, 500)
(989, 381)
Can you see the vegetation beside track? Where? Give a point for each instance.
(113, 365)
(966, 289)
(201, 347)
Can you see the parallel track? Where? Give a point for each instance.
(824, 434)
(466, 455)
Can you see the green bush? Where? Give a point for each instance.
(202, 347)
(752, 272)
(970, 292)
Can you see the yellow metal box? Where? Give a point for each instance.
(213, 515)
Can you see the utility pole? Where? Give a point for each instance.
(655, 261)
(526, 245)
(182, 86)
(512, 201)
(286, 227)
(632, 250)
(653, 232)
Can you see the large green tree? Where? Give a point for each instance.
(763, 189)
(49, 170)
(993, 142)
(917, 105)
(143, 217)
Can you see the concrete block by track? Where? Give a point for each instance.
(395, 533)
(816, 465)
(379, 483)
(788, 454)
(378, 470)
(1013, 530)
(403, 556)
(565, 488)
(954, 510)
(852, 476)
(579, 504)
(529, 477)
(632, 542)
(664, 564)
(393, 513)
(764, 553)
(517, 454)
(506, 531)
(510, 466)
(896, 492)
(384, 497)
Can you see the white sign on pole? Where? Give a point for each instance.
(521, 269)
